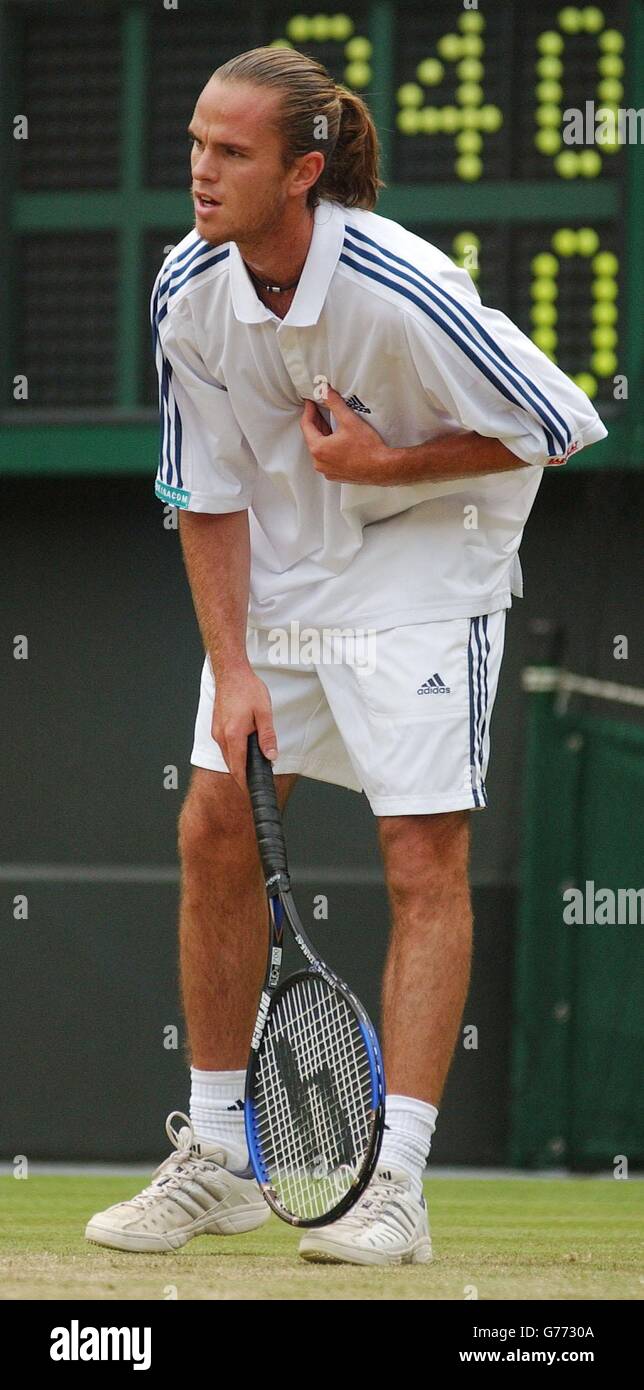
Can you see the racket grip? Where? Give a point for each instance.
(266, 813)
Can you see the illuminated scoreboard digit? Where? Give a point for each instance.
(560, 283)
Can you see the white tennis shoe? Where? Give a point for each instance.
(387, 1226)
(192, 1193)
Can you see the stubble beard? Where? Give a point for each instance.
(255, 230)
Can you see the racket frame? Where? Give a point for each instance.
(282, 910)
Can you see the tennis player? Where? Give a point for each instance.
(354, 443)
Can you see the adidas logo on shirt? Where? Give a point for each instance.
(357, 404)
(435, 685)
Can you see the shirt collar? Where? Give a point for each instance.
(320, 263)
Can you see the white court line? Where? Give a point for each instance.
(159, 873)
(126, 1170)
(167, 873)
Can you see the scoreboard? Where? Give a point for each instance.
(510, 137)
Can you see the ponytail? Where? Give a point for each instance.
(350, 176)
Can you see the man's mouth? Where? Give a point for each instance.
(204, 201)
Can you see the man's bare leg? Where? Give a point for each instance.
(223, 929)
(427, 973)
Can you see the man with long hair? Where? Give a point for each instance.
(354, 442)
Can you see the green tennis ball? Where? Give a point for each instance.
(469, 94)
(450, 119)
(549, 93)
(320, 28)
(280, 43)
(550, 42)
(570, 19)
(587, 383)
(430, 71)
(464, 241)
(548, 116)
(298, 28)
(604, 312)
(470, 117)
(357, 74)
(469, 142)
(470, 70)
(567, 164)
(339, 26)
(592, 19)
(471, 23)
(430, 120)
(545, 264)
(564, 242)
(469, 167)
(604, 363)
(544, 290)
(472, 46)
(604, 289)
(606, 263)
(548, 141)
(544, 315)
(550, 68)
(408, 121)
(410, 94)
(546, 339)
(604, 337)
(587, 241)
(611, 41)
(590, 164)
(610, 89)
(610, 65)
(450, 47)
(490, 118)
(359, 49)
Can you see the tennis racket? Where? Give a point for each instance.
(315, 1091)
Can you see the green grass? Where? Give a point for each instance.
(521, 1238)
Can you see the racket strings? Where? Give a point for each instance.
(313, 1097)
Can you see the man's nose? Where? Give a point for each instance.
(205, 165)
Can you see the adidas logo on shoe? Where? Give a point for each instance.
(357, 404)
(435, 685)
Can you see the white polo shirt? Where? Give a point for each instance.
(401, 333)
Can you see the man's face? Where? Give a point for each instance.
(236, 162)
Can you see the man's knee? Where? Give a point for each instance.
(425, 851)
(215, 823)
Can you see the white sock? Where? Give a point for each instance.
(216, 1111)
(409, 1125)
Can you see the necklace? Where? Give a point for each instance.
(270, 289)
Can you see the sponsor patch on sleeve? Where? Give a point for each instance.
(176, 496)
(563, 458)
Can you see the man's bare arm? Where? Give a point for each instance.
(355, 453)
(216, 551)
(450, 456)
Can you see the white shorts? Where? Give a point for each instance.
(402, 714)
